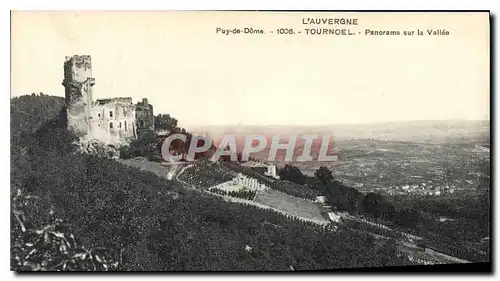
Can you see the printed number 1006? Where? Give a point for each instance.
(285, 31)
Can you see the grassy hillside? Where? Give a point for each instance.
(144, 222)
(30, 112)
(148, 223)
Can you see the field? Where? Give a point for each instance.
(289, 204)
(269, 197)
(442, 175)
(441, 170)
(417, 157)
(144, 222)
(390, 167)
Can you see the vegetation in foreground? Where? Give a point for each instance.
(148, 223)
(138, 221)
(144, 222)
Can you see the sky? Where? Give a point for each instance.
(179, 62)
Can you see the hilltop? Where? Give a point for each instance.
(29, 112)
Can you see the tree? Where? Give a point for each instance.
(164, 122)
(343, 197)
(483, 185)
(389, 249)
(407, 218)
(373, 202)
(30, 112)
(377, 206)
(324, 175)
(145, 145)
(293, 174)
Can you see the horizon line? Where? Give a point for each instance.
(343, 124)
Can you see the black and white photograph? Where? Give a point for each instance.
(250, 141)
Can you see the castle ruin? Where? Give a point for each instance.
(113, 121)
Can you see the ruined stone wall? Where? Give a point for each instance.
(144, 115)
(113, 121)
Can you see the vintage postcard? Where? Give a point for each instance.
(250, 141)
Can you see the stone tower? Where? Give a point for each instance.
(78, 83)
